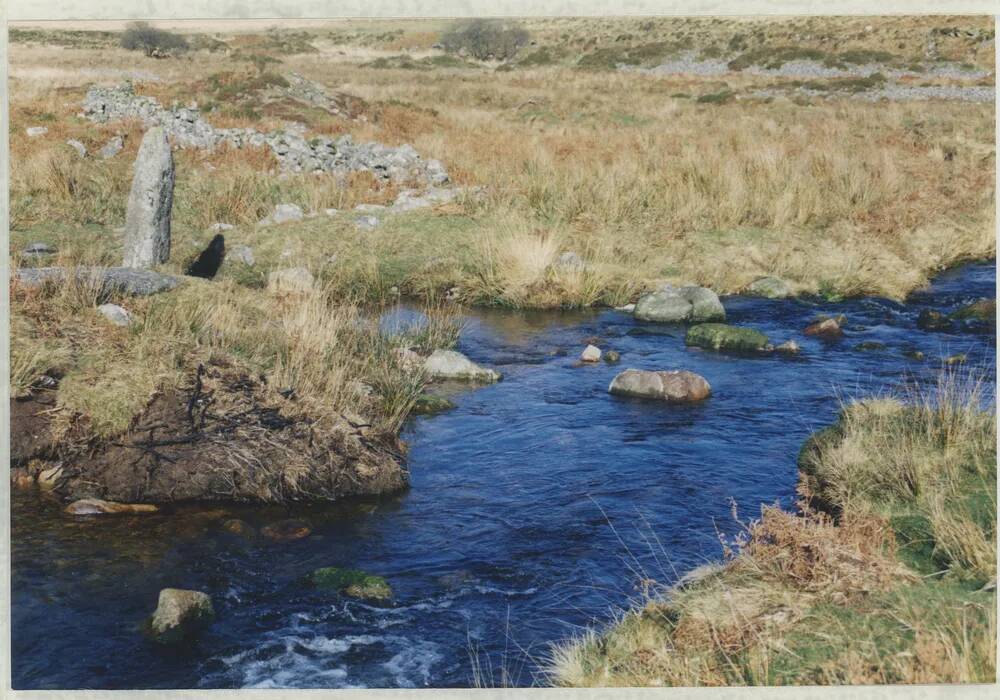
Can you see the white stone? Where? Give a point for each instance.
(448, 364)
(80, 149)
(220, 227)
(591, 353)
(116, 314)
(36, 131)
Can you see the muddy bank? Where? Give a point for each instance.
(222, 437)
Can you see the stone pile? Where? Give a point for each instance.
(293, 150)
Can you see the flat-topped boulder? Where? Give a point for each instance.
(676, 386)
(123, 280)
(449, 364)
(678, 305)
(726, 338)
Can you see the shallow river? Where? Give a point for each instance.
(536, 507)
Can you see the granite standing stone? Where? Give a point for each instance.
(147, 219)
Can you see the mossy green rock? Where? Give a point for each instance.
(720, 336)
(982, 310)
(427, 404)
(352, 582)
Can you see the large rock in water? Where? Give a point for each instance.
(676, 386)
(352, 582)
(719, 336)
(180, 614)
(448, 364)
(147, 219)
(670, 305)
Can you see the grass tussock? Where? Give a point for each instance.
(326, 351)
(886, 575)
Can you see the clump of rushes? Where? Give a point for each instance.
(886, 575)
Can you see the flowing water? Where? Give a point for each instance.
(536, 508)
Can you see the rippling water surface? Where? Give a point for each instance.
(536, 507)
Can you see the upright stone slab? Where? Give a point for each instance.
(147, 220)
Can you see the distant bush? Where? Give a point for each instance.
(141, 36)
(486, 39)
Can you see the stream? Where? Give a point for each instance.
(536, 507)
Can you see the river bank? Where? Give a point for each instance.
(551, 482)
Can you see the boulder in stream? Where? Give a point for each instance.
(931, 320)
(180, 614)
(449, 364)
(676, 386)
(769, 288)
(720, 336)
(827, 328)
(676, 305)
(982, 310)
(96, 506)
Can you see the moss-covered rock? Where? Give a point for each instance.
(720, 336)
(983, 310)
(931, 320)
(427, 404)
(352, 582)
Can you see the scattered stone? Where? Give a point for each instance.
(295, 280)
(931, 320)
(180, 615)
(369, 222)
(428, 404)
(219, 227)
(449, 364)
(282, 213)
(828, 329)
(981, 310)
(286, 531)
(674, 386)
(612, 357)
(116, 314)
(869, 346)
(719, 336)
(95, 506)
(570, 261)
(239, 527)
(591, 354)
(331, 212)
(956, 359)
(147, 218)
(670, 305)
(242, 253)
(112, 148)
(352, 582)
(48, 479)
(370, 207)
(627, 308)
(77, 146)
(789, 347)
(408, 200)
(209, 260)
(36, 131)
(38, 248)
(121, 280)
(769, 288)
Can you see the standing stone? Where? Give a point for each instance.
(147, 220)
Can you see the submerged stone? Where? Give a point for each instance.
(931, 320)
(981, 310)
(286, 531)
(427, 404)
(96, 506)
(612, 357)
(828, 328)
(720, 336)
(352, 582)
(869, 346)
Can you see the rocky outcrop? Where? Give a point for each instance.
(678, 305)
(147, 218)
(719, 336)
(677, 386)
(120, 280)
(292, 149)
(448, 364)
(180, 615)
